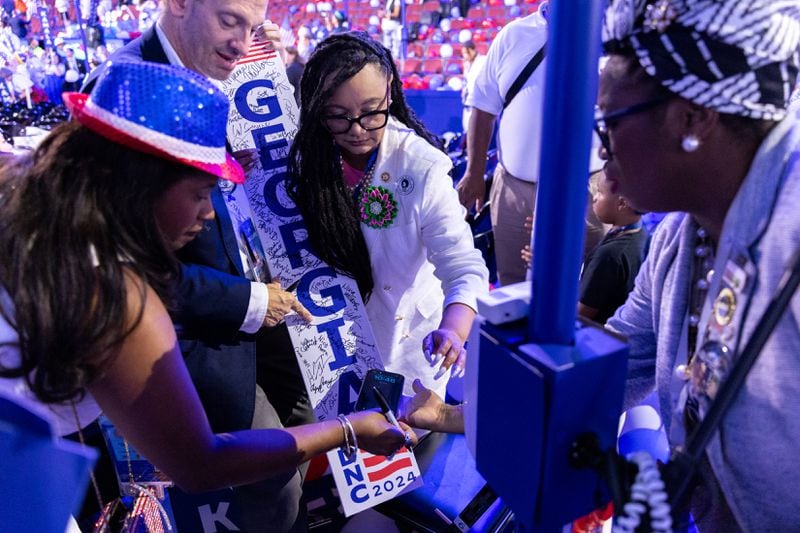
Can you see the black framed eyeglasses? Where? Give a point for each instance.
(370, 121)
(602, 123)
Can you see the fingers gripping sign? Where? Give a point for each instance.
(247, 158)
(270, 33)
(281, 303)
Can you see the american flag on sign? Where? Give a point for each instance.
(367, 480)
(259, 51)
(379, 467)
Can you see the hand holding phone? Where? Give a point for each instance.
(390, 386)
(382, 389)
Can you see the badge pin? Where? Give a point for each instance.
(385, 177)
(226, 187)
(709, 368)
(735, 276)
(406, 184)
(724, 307)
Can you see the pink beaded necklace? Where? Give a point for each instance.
(375, 206)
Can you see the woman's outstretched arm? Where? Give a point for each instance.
(148, 394)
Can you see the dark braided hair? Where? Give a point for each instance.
(314, 175)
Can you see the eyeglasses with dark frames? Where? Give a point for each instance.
(602, 123)
(369, 121)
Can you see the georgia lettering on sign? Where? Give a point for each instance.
(337, 349)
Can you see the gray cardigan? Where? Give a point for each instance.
(754, 454)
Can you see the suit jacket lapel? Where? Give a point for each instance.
(151, 47)
(229, 240)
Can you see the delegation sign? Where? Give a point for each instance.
(337, 349)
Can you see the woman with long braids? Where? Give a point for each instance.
(90, 223)
(379, 205)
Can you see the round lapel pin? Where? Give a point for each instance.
(405, 185)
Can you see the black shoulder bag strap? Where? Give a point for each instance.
(524, 75)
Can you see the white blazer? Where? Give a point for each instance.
(425, 260)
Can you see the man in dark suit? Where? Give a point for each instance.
(76, 71)
(231, 329)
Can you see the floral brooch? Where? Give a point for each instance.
(377, 207)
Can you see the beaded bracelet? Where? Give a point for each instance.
(349, 448)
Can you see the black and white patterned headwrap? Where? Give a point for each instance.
(736, 56)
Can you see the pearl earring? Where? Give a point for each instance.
(690, 143)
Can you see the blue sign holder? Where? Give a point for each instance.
(545, 383)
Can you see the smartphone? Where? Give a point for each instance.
(390, 385)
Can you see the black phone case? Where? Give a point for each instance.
(389, 383)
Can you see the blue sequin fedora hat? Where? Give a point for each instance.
(170, 112)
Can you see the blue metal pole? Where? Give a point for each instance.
(403, 31)
(570, 95)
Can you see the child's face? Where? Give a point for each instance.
(605, 204)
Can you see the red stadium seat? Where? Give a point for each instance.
(432, 5)
(413, 9)
(362, 21)
(460, 24)
(432, 66)
(475, 12)
(415, 49)
(496, 12)
(479, 36)
(409, 66)
(415, 82)
(424, 33)
(433, 50)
